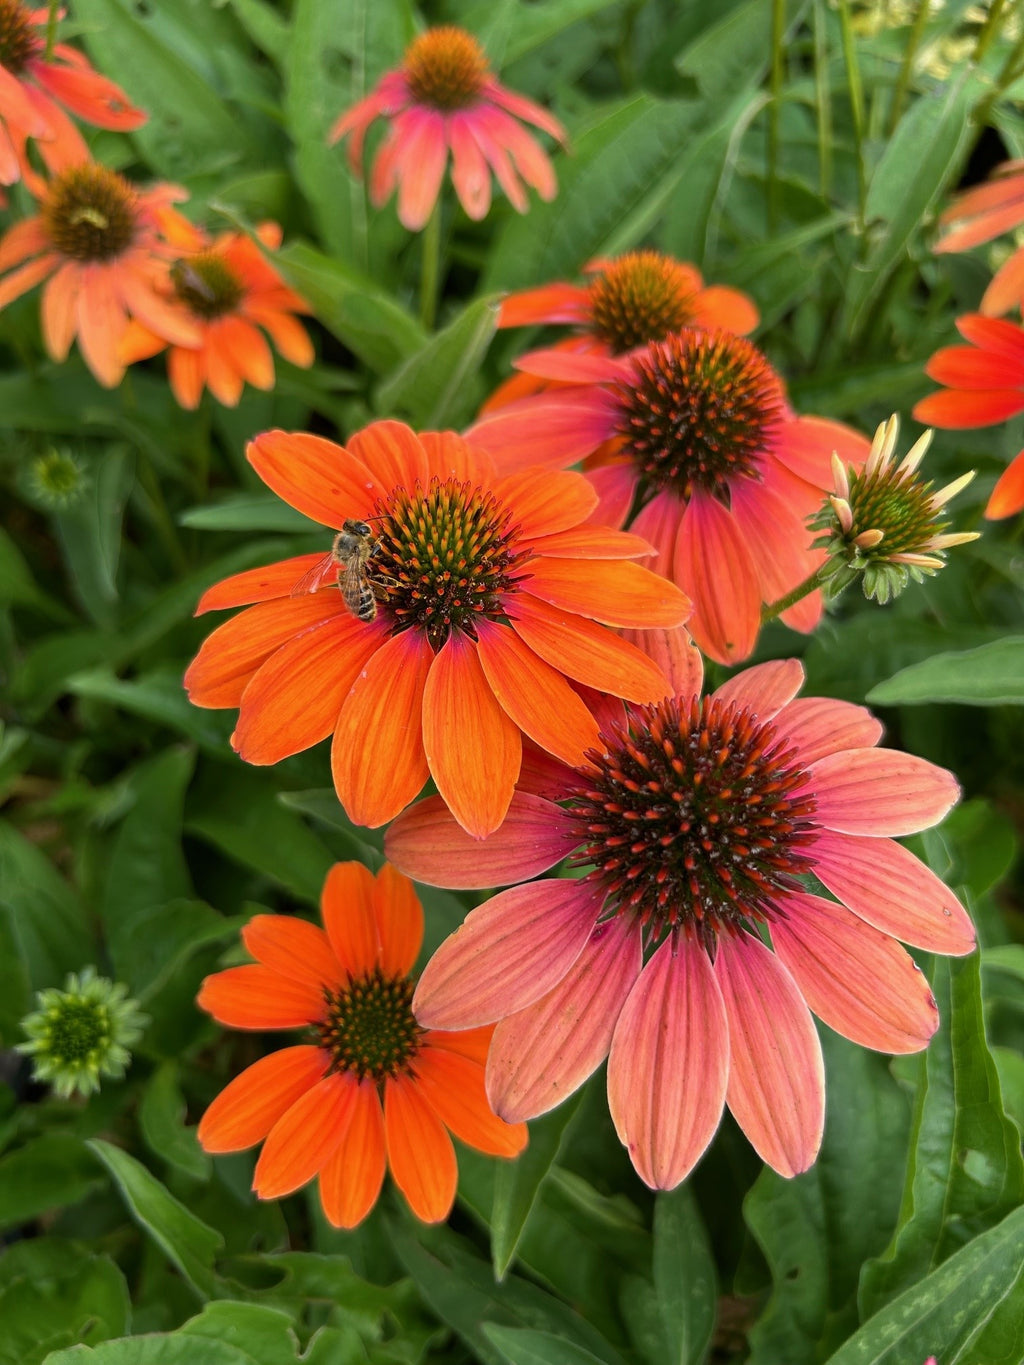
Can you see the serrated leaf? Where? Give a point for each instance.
(991, 675)
(435, 387)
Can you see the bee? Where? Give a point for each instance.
(353, 548)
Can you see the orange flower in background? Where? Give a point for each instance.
(629, 301)
(468, 603)
(372, 1088)
(103, 246)
(36, 89)
(984, 211)
(227, 291)
(985, 386)
(444, 100)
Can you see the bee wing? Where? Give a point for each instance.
(315, 577)
(351, 582)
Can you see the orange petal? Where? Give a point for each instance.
(467, 1042)
(249, 352)
(549, 303)
(720, 306)
(714, 566)
(255, 997)
(315, 476)
(399, 921)
(618, 594)
(377, 756)
(473, 748)
(454, 1087)
(294, 948)
(257, 585)
(1008, 494)
(23, 279)
(186, 373)
(392, 453)
(245, 1111)
(303, 1140)
(545, 502)
(102, 321)
(224, 380)
(962, 409)
(59, 309)
(420, 1152)
(350, 1181)
(347, 907)
(450, 456)
(287, 334)
(593, 541)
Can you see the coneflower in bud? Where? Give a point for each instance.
(83, 1032)
(885, 523)
(54, 481)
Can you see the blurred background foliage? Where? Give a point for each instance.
(797, 149)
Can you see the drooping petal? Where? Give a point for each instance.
(454, 1088)
(855, 978)
(348, 906)
(1008, 495)
(780, 547)
(471, 175)
(776, 1074)
(669, 1064)
(351, 1179)
(819, 726)
(186, 374)
(612, 592)
(615, 485)
(1006, 287)
(245, 1110)
(473, 748)
(303, 1140)
(765, 688)
(255, 997)
(399, 918)
(420, 1152)
(507, 953)
(886, 885)
(101, 322)
(294, 948)
(713, 566)
(881, 791)
(59, 310)
(542, 1054)
(315, 476)
(423, 157)
(805, 445)
(427, 843)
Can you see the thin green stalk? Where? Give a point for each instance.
(775, 108)
(823, 100)
(431, 267)
(856, 110)
(51, 27)
(802, 590)
(917, 29)
(989, 29)
(160, 514)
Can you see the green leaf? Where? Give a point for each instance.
(162, 1123)
(15, 991)
(90, 533)
(531, 26)
(157, 696)
(48, 921)
(965, 1170)
(264, 1334)
(183, 1238)
(265, 27)
(684, 1277)
(248, 512)
(991, 675)
(732, 52)
(17, 586)
(968, 1311)
(178, 1349)
(435, 388)
(523, 1346)
(163, 941)
(49, 1172)
(54, 1293)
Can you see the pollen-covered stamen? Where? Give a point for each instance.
(444, 557)
(641, 297)
(369, 1029)
(694, 817)
(445, 67)
(18, 38)
(699, 411)
(207, 285)
(90, 213)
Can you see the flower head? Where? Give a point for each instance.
(467, 602)
(83, 1032)
(36, 89)
(371, 1086)
(691, 442)
(226, 291)
(102, 246)
(693, 828)
(55, 480)
(443, 99)
(884, 522)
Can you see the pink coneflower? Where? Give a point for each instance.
(695, 826)
(443, 99)
(690, 442)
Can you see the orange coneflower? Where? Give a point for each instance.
(227, 290)
(34, 86)
(985, 211)
(372, 1087)
(469, 601)
(692, 828)
(102, 245)
(443, 99)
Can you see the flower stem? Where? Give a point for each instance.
(51, 27)
(772, 609)
(430, 268)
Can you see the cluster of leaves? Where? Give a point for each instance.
(791, 151)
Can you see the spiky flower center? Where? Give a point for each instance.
(90, 213)
(699, 412)
(79, 1031)
(641, 297)
(445, 67)
(695, 817)
(370, 1029)
(897, 506)
(18, 40)
(445, 557)
(207, 285)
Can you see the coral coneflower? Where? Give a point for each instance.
(372, 1087)
(692, 438)
(985, 211)
(985, 386)
(471, 599)
(34, 87)
(694, 825)
(102, 245)
(443, 99)
(629, 301)
(227, 290)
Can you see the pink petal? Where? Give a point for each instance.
(427, 843)
(553, 429)
(880, 791)
(776, 1073)
(886, 885)
(780, 545)
(422, 159)
(819, 726)
(539, 1056)
(855, 978)
(571, 367)
(805, 445)
(713, 565)
(471, 175)
(507, 954)
(615, 484)
(658, 521)
(669, 1064)
(675, 654)
(765, 688)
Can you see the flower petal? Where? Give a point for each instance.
(613, 592)
(315, 476)
(393, 454)
(255, 997)
(351, 1179)
(962, 409)
(245, 1110)
(713, 565)
(765, 688)
(399, 918)
(294, 948)
(264, 584)
(675, 654)
(819, 726)
(302, 1141)
(880, 791)
(420, 1152)
(545, 503)
(454, 1088)
(348, 907)
(1008, 495)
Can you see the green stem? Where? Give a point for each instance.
(160, 514)
(772, 609)
(907, 65)
(988, 30)
(823, 100)
(51, 27)
(857, 112)
(774, 109)
(431, 267)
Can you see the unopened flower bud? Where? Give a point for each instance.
(83, 1032)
